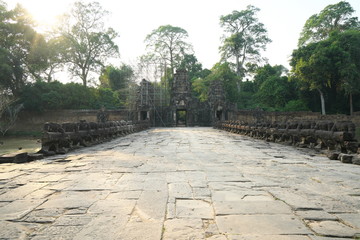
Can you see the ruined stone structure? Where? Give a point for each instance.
(183, 109)
(144, 101)
(61, 138)
(217, 101)
(184, 106)
(336, 136)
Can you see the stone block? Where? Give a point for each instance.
(345, 158)
(316, 215)
(194, 209)
(251, 207)
(277, 224)
(333, 229)
(352, 219)
(35, 156)
(356, 159)
(333, 155)
(14, 158)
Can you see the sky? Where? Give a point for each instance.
(134, 19)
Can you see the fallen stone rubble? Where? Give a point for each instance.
(336, 137)
(62, 138)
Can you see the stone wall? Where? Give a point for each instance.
(262, 116)
(34, 121)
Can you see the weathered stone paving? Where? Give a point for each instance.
(181, 183)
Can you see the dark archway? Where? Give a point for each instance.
(181, 117)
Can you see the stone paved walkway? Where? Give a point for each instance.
(181, 183)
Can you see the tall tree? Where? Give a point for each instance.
(168, 43)
(55, 50)
(333, 17)
(88, 43)
(316, 65)
(347, 47)
(191, 65)
(21, 55)
(245, 38)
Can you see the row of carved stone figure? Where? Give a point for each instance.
(60, 138)
(339, 136)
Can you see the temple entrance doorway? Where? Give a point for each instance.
(219, 115)
(181, 115)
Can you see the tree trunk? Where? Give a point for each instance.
(171, 63)
(351, 104)
(238, 73)
(322, 102)
(84, 82)
(238, 66)
(84, 77)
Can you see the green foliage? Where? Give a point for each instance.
(40, 96)
(21, 49)
(167, 44)
(222, 72)
(55, 50)
(330, 66)
(275, 92)
(192, 66)
(347, 45)
(88, 44)
(263, 73)
(116, 78)
(334, 17)
(107, 98)
(245, 40)
(200, 87)
(296, 105)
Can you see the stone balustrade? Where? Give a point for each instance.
(60, 138)
(337, 136)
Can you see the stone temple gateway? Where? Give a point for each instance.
(182, 108)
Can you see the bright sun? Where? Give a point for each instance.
(44, 12)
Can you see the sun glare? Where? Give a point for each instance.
(44, 12)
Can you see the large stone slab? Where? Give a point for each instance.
(19, 208)
(20, 192)
(194, 209)
(296, 201)
(10, 175)
(333, 229)
(102, 227)
(180, 190)
(149, 230)
(277, 224)
(12, 230)
(316, 215)
(352, 219)
(71, 200)
(235, 195)
(251, 207)
(112, 207)
(266, 237)
(72, 220)
(152, 204)
(56, 232)
(183, 229)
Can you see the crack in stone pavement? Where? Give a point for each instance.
(181, 183)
